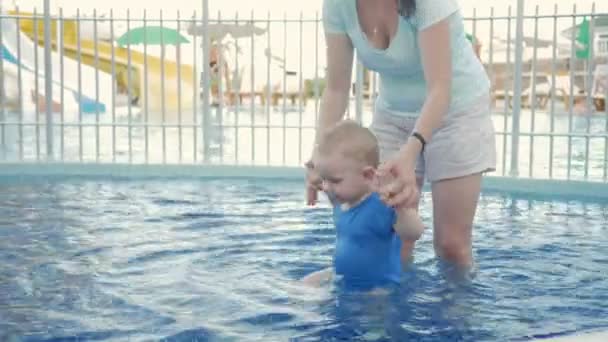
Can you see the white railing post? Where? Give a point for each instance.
(205, 82)
(359, 81)
(517, 89)
(48, 79)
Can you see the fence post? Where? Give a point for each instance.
(3, 99)
(517, 89)
(359, 83)
(205, 49)
(48, 79)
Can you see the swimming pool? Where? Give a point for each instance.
(218, 260)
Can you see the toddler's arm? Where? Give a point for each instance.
(408, 225)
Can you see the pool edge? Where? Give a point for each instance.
(518, 186)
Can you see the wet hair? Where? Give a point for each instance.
(407, 7)
(351, 140)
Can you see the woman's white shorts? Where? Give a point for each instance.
(463, 145)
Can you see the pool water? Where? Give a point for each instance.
(219, 260)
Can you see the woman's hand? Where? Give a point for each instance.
(313, 183)
(397, 180)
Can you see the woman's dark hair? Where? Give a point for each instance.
(406, 7)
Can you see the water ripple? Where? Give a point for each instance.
(186, 260)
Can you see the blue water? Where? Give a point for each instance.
(218, 260)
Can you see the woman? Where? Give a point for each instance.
(432, 115)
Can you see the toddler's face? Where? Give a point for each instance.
(347, 179)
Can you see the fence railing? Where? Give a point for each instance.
(245, 89)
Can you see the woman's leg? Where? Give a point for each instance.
(454, 204)
(460, 152)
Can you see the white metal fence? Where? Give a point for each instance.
(72, 94)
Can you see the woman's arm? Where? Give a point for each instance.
(334, 100)
(436, 58)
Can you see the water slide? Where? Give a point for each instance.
(25, 98)
(11, 100)
(137, 65)
(19, 49)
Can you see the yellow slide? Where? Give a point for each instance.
(140, 64)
